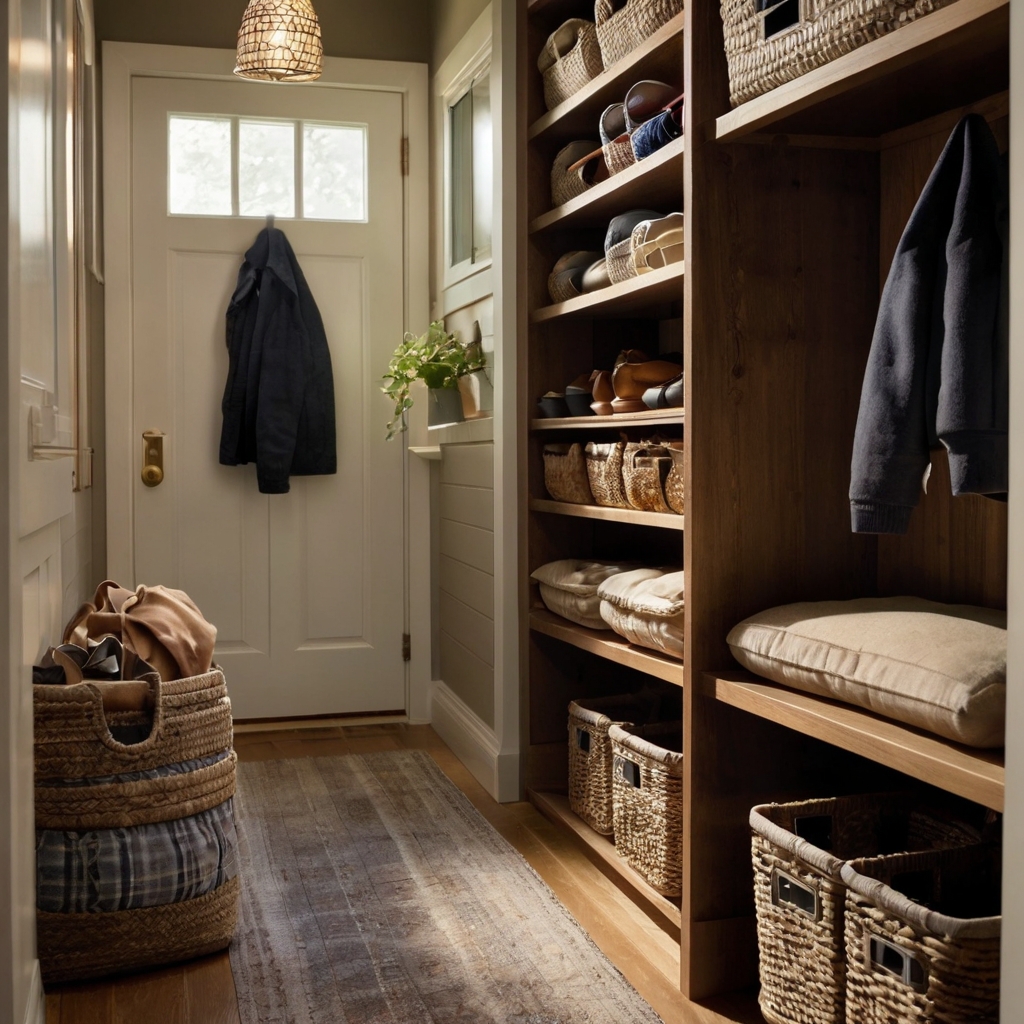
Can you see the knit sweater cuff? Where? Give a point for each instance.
(874, 517)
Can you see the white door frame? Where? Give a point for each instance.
(121, 63)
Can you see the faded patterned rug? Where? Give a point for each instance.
(373, 892)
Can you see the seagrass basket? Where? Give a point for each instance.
(765, 48)
(604, 471)
(798, 852)
(566, 184)
(674, 486)
(922, 937)
(570, 58)
(620, 261)
(645, 469)
(565, 474)
(647, 802)
(106, 783)
(590, 752)
(621, 31)
(616, 145)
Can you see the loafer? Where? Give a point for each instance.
(603, 393)
(665, 396)
(658, 243)
(630, 381)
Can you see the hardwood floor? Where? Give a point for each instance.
(202, 992)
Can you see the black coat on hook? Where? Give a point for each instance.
(279, 400)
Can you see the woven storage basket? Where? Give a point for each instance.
(604, 471)
(798, 853)
(933, 958)
(88, 781)
(617, 148)
(620, 261)
(645, 468)
(766, 48)
(647, 801)
(621, 31)
(566, 184)
(590, 752)
(565, 474)
(674, 489)
(567, 72)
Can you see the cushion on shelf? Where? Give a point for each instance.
(646, 606)
(569, 586)
(939, 667)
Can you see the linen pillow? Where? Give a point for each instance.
(939, 667)
(647, 608)
(568, 588)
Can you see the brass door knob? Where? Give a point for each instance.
(152, 457)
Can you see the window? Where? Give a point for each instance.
(242, 167)
(470, 174)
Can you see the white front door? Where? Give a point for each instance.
(306, 588)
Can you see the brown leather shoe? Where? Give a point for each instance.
(631, 379)
(603, 393)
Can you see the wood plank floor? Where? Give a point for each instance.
(203, 992)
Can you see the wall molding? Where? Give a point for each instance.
(474, 743)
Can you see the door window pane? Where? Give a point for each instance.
(333, 172)
(200, 166)
(266, 168)
(470, 173)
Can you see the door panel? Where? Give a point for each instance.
(306, 588)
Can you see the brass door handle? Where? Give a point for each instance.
(152, 457)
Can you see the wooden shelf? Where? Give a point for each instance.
(943, 60)
(663, 520)
(658, 287)
(606, 644)
(660, 57)
(977, 775)
(651, 418)
(555, 807)
(655, 183)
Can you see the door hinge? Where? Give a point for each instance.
(405, 158)
(406, 647)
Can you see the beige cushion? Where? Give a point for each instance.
(646, 607)
(936, 666)
(568, 588)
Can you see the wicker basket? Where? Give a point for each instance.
(604, 471)
(590, 752)
(674, 483)
(766, 48)
(922, 937)
(645, 469)
(647, 801)
(798, 853)
(616, 145)
(566, 184)
(92, 776)
(571, 57)
(565, 474)
(621, 31)
(620, 261)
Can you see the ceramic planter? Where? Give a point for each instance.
(444, 405)
(477, 395)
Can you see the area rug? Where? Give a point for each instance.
(373, 892)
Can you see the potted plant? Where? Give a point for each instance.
(439, 359)
(476, 387)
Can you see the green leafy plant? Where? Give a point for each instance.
(437, 358)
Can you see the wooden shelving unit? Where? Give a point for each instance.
(555, 807)
(654, 418)
(654, 182)
(658, 287)
(978, 775)
(794, 202)
(659, 58)
(663, 520)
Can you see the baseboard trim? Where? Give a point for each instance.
(35, 1010)
(474, 743)
(327, 722)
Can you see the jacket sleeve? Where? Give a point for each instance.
(283, 373)
(892, 439)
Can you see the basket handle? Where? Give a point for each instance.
(788, 891)
(628, 771)
(603, 10)
(895, 961)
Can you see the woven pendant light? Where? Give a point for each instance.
(279, 41)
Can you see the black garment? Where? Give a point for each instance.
(938, 371)
(279, 401)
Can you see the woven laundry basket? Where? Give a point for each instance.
(570, 58)
(565, 474)
(135, 842)
(590, 752)
(765, 48)
(922, 937)
(798, 851)
(647, 802)
(621, 31)
(604, 470)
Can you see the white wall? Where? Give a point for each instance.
(1013, 840)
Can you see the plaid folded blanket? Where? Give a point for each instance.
(105, 870)
(163, 772)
